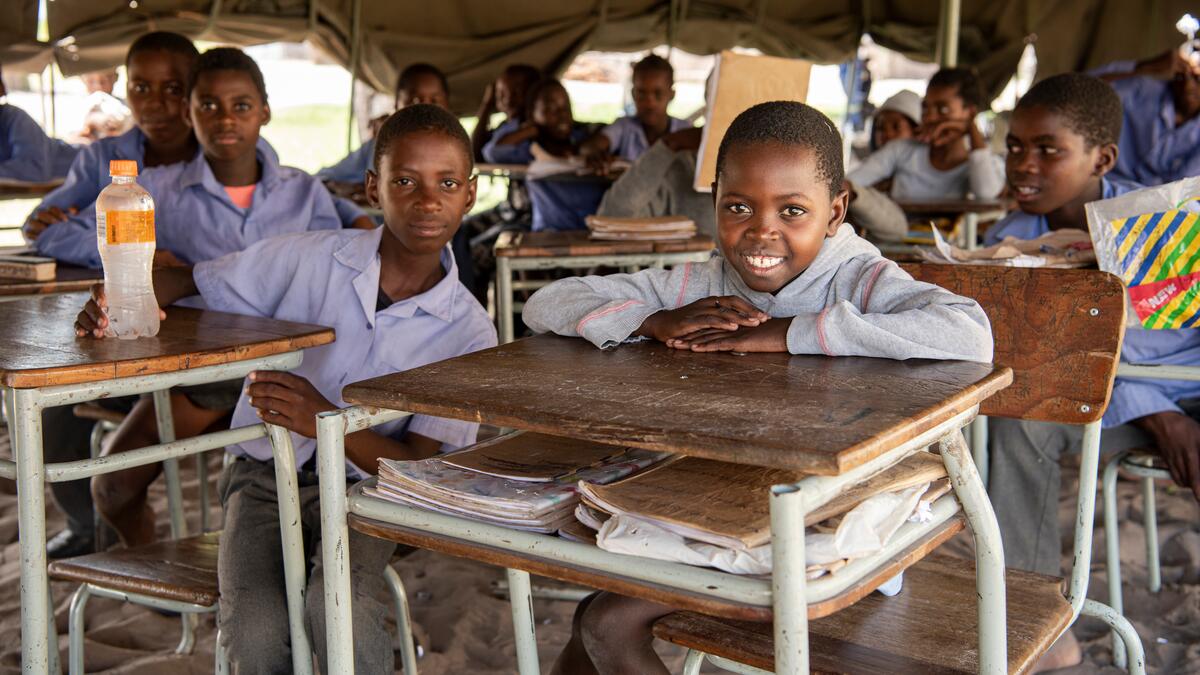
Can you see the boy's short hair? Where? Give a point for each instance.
(965, 80)
(654, 63)
(540, 87)
(1088, 106)
(788, 123)
(411, 73)
(417, 118)
(228, 58)
(165, 41)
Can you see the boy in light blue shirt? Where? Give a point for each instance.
(393, 296)
(26, 152)
(629, 137)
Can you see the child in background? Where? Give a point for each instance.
(231, 195)
(898, 117)
(790, 277)
(1061, 145)
(557, 204)
(629, 137)
(949, 158)
(26, 152)
(509, 95)
(394, 299)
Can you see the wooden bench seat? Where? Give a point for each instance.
(930, 627)
(183, 569)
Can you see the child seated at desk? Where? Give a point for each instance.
(1061, 145)
(630, 136)
(26, 152)
(394, 299)
(230, 195)
(509, 94)
(949, 158)
(790, 277)
(558, 204)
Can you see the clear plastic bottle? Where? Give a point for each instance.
(125, 237)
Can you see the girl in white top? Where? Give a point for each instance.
(949, 158)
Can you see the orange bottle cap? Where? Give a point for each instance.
(122, 167)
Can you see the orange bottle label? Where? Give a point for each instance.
(129, 227)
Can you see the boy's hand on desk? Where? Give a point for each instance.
(40, 220)
(725, 313)
(94, 318)
(1177, 437)
(770, 336)
(287, 400)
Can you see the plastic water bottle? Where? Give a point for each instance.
(125, 237)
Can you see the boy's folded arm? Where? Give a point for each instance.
(252, 281)
(879, 165)
(985, 174)
(894, 316)
(605, 310)
(72, 240)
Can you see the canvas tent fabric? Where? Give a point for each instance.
(472, 40)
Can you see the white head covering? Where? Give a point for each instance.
(906, 103)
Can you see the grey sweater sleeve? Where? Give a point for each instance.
(891, 315)
(638, 192)
(878, 215)
(985, 174)
(879, 165)
(605, 310)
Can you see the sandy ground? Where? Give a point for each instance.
(466, 628)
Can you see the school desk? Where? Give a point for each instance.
(67, 279)
(43, 364)
(575, 249)
(841, 420)
(513, 171)
(972, 211)
(19, 189)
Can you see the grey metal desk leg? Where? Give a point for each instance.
(524, 630)
(989, 553)
(788, 580)
(295, 579)
(504, 299)
(1134, 652)
(979, 447)
(1112, 546)
(331, 467)
(166, 434)
(971, 231)
(31, 519)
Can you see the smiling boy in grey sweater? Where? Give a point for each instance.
(790, 277)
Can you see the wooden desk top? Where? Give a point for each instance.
(808, 413)
(67, 279)
(517, 171)
(38, 346)
(952, 206)
(19, 189)
(547, 244)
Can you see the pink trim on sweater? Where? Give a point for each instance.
(866, 296)
(821, 332)
(687, 274)
(596, 315)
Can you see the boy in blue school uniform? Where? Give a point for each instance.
(558, 204)
(1062, 144)
(393, 296)
(509, 95)
(229, 196)
(26, 152)
(629, 137)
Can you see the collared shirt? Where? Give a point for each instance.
(1132, 397)
(915, 178)
(1153, 150)
(196, 220)
(557, 204)
(89, 172)
(353, 167)
(332, 279)
(627, 136)
(26, 152)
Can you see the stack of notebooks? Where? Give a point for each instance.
(521, 480)
(641, 229)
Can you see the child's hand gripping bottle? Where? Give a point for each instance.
(125, 237)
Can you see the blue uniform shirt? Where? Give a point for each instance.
(196, 220)
(332, 279)
(627, 137)
(353, 167)
(27, 153)
(1153, 150)
(1131, 398)
(557, 204)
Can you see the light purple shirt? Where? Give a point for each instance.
(332, 279)
(627, 138)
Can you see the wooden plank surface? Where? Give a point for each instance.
(38, 346)
(19, 189)
(931, 627)
(516, 171)
(808, 413)
(617, 583)
(1059, 330)
(182, 569)
(547, 244)
(67, 279)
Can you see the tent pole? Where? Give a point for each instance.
(355, 21)
(948, 25)
(53, 104)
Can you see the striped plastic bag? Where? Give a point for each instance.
(1150, 238)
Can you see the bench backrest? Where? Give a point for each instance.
(1059, 330)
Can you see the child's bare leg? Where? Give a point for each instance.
(573, 660)
(616, 632)
(121, 497)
